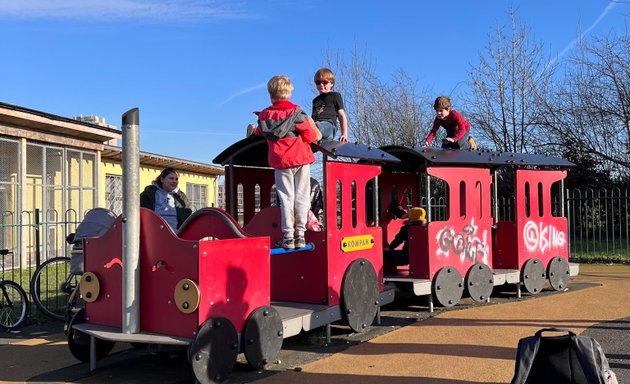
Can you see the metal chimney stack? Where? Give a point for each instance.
(131, 222)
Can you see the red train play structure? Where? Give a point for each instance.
(218, 286)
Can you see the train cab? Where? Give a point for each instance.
(339, 277)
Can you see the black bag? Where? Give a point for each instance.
(567, 358)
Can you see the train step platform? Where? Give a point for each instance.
(468, 343)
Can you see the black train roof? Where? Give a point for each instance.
(252, 151)
(413, 159)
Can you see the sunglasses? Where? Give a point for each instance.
(320, 82)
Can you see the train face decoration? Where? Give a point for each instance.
(218, 287)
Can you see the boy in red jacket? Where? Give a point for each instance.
(456, 126)
(289, 131)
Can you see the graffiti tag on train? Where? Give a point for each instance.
(465, 243)
(542, 237)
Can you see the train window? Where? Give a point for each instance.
(439, 200)
(480, 202)
(273, 197)
(527, 200)
(394, 193)
(556, 199)
(541, 212)
(369, 203)
(339, 198)
(354, 204)
(462, 199)
(240, 217)
(256, 198)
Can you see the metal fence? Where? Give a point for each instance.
(598, 225)
(43, 235)
(599, 230)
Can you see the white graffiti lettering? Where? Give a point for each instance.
(541, 237)
(464, 243)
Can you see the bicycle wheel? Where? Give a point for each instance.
(51, 285)
(13, 305)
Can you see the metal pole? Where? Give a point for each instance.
(495, 194)
(230, 189)
(38, 254)
(131, 222)
(427, 184)
(376, 204)
(325, 193)
(562, 197)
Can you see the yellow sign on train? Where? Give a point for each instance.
(357, 243)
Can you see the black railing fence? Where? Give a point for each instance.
(33, 237)
(599, 230)
(598, 225)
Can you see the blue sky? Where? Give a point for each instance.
(198, 68)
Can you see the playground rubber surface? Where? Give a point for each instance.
(468, 343)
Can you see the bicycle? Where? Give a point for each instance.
(13, 300)
(53, 287)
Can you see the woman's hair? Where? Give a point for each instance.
(324, 74)
(165, 172)
(279, 88)
(442, 102)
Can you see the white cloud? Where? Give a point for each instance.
(570, 46)
(148, 10)
(243, 92)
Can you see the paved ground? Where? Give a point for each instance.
(470, 343)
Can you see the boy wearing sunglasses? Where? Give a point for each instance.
(328, 107)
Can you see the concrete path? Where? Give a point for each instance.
(472, 345)
(478, 345)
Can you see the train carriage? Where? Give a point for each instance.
(464, 247)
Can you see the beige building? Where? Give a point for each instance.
(53, 169)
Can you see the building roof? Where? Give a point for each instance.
(13, 116)
(112, 152)
(37, 125)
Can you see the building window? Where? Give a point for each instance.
(114, 193)
(198, 195)
(221, 196)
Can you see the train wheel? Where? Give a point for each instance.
(533, 276)
(448, 286)
(558, 272)
(262, 337)
(79, 342)
(359, 294)
(214, 350)
(479, 282)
